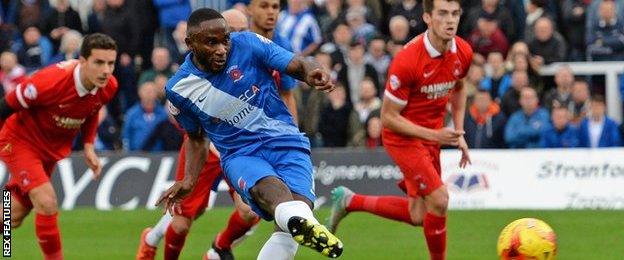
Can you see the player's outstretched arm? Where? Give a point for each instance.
(391, 118)
(311, 73)
(196, 150)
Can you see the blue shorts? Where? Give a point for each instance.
(292, 166)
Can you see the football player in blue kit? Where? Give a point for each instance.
(224, 91)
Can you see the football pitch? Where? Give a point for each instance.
(91, 234)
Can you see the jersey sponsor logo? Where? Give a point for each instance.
(30, 92)
(263, 39)
(395, 83)
(438, 90)
(68, 122)
(233, 113)
(235, 73)
(172, 109)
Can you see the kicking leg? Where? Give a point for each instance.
(150, 238)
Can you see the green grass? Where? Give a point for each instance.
(90, 234)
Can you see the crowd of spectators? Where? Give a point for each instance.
(510, 104)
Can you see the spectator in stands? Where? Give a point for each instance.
(598, 130)
(59, 21)
(330, 16)
(379, 59)
(560, 96)
(399, 29)
(593, 12)
(394, 47)
(573, 15)
(69, 48)
(526, 64)
(372, 9)
(355, 71)
(121, 23)
(362, 31)
(580, 101)
(484, 123)
(369, 135)
(547, 43)
(487, 37)
(368, 101)
(472, 81)
(169, 136)
(96, 17)
(161, 81)
(29, 13)
(605, 38)
(108, 136)
(334, 124)
(34, 51)
(338, 48)
(534, 11)
(560, 133)
(179, 34)
(161, 65)
(525, 127)
(497, 12)
(412, 10)
(497, 81)
(11, 72)
(299, 26)
(518, 48)
(142, 119)
(510, 103)
(170, 13)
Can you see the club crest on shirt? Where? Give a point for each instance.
(457, 70)
(235, 73)
(30, 92)
(395, 83)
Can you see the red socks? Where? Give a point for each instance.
(390, 207)
(49, 236)
(236, 228)
(434, 228)
(173, 243)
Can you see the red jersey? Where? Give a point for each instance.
(422, 79)
(51, 107)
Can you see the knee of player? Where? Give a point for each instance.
(439, 201)
(181, 226)
(416, 218)
(16, 221)
(47, 205)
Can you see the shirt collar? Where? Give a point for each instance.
(80, 88)
(432, 51)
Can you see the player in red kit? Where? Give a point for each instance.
(422, 79)
(43, 116)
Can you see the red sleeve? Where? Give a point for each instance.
(37, 90)
(399, 80)
(89, 128)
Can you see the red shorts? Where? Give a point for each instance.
(196, 202)
(26, 168)
(420, 164)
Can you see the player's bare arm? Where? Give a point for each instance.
(391, 118)
(196, 149)
(92, 160)
(311, 73)
(458, 111)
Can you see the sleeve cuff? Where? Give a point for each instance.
(395, 99)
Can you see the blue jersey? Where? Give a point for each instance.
(239, 108)
(286, 82)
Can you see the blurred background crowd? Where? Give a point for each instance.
(510, 104)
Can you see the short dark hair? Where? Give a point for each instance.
(428, 5)
(201, 15)
(598, 98)
(96, 41)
